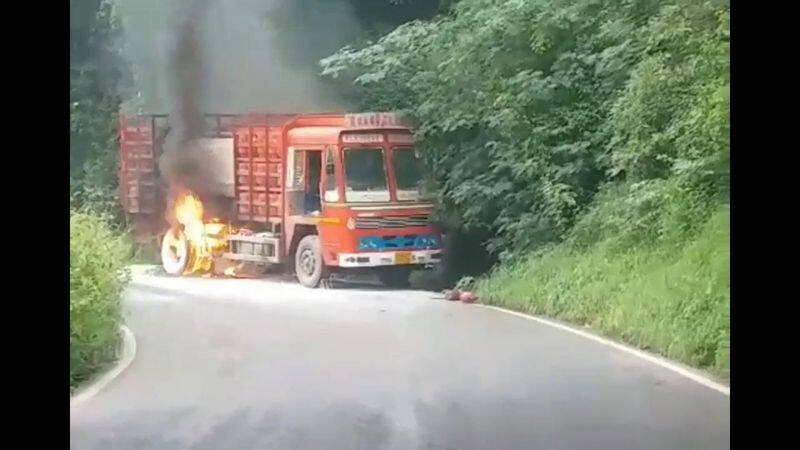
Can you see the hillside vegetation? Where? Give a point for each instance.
(591, 139)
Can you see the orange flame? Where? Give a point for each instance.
(206, 240)
(189, 213)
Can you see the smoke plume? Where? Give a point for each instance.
(255, 55)
(192, 57)
(181, 164)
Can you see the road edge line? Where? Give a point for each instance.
(660, 361)
(126, 358)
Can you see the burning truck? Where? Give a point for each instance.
(315, 193)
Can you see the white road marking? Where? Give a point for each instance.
(705, 381)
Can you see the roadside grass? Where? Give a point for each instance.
(669, 298)
(97, 258)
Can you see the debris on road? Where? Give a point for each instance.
(455, 295)
(452, 295)
(468, 297)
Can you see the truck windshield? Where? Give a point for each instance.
(408, 171)
(365, 172)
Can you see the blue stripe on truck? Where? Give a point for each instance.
(413, 242)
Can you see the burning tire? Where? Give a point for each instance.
(308, 264)
(176, 252)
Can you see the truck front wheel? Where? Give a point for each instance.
(308, 264)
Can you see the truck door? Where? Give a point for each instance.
(331, 229)
(330, 188)
(313, 200)
(303, 187)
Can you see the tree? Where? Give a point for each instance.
(97, 78)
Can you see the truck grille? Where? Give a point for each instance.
(375, 223)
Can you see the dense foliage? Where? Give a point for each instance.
(97, 259)
(527, 108)
(98, 74)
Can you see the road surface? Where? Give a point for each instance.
(255, 364)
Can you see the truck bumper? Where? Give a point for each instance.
(376, 259)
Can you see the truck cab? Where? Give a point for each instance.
(355, 182)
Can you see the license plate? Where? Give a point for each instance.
(402, 258)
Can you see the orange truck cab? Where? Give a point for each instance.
(321, 192)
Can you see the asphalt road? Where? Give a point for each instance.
(255, 364)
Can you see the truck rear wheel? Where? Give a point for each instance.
(395, 277)
(175, 252)
(308, 263)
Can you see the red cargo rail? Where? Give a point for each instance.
(138, 183)
(259, 169)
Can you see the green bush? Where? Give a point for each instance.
(97, 275)
(95, 190)
(646, 213)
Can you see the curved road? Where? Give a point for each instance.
(256, 364)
